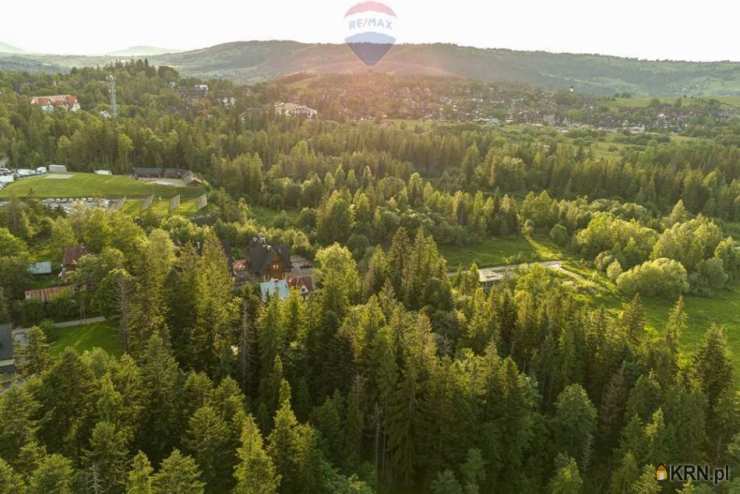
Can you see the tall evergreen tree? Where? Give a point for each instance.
(255, 472)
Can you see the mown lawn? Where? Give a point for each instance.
(82, 338)
(499, 251)
(267, 217)
(91, 185)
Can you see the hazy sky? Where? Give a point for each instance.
(656, 29)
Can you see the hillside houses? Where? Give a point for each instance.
(60, 101)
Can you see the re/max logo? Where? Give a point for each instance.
(695, 473)
(370, 22)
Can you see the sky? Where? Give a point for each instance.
(649, 29)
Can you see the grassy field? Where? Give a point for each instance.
(722, 308)
(87, 337)
(499, 251)
(91, 185)
(596, 290)
(267, 217)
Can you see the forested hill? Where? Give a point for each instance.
(597, 74)
(252, 61)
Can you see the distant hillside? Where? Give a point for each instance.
(254, 61)
(6, 48)
(25, 64)
(141, 51)
(596, 74)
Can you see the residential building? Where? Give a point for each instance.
(294, 110)
(267, 261)
(303, 283)
(273, 288)
(40, 268)
(62, 101)
(57, 169)
(71, 256)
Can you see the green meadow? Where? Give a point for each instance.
(595, 289)
(91, 185)
(83, 338)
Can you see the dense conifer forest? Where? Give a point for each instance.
(398, 373)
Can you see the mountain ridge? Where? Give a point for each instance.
(604, 75)
(251, 61)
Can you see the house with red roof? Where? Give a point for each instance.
(50, 103)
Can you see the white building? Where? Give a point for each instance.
(294, 110)
(57, 169)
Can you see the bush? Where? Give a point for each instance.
(604, 260)
(528, 228)
(559, 235)
(710, 275)
(614, 270)
(661, 277)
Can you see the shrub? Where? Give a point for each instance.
(614, 270)
(710, 275)
(661, 277)
(559, 235)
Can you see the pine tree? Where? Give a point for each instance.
(281, 447)
(140, 476)
(676, 326)
(54, 475)
(178, 474)
(611, 412)
(355, 424)
(33, 357)
(625, 476)
(18, 424)
(647, 484)
(633, 320)
(66, 394)
(216, 312)
(148, 308)
(473, 471)
(574, 423)
(10, 481)
(208, 440)
(107, 456)
(713, 366)
(160, 375)
(567, 479)
(255, 472)
(446, 483)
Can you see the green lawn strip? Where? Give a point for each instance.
(500, 251)
(87, 337)
(267, 216)
(92, 185)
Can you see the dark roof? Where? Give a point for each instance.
(148, 172)
(260, 254)
(73, 254)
